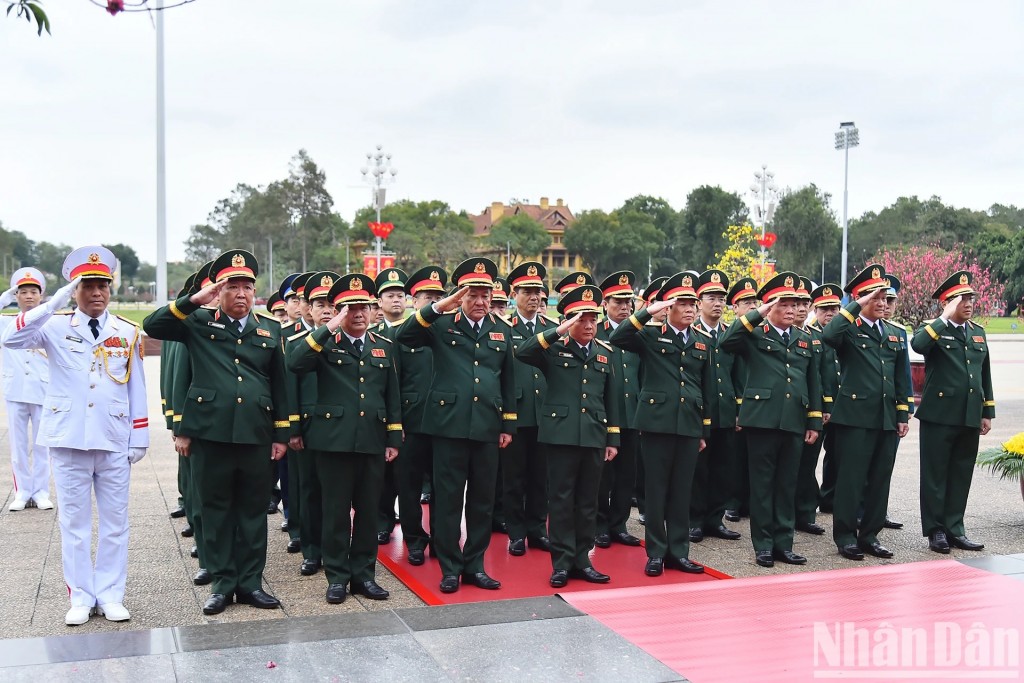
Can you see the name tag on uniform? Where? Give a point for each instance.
(802, 344)
(564, 354)
(77, 340)
(979, 340)
(497, 336)
(378, 353)
(602, 359)
(339, 351)
(263, 333)
(700, 346)
(451, 331)
(950, 338)
(516, 336)
(219, 326)
(665, 339)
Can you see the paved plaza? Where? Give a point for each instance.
(160, 594)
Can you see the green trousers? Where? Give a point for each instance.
(829, 468)
(773, 457)
(807, 491)
(618, 479)
(714, 480)
(294, 504)
(866, 458)
(232, 481)
(352, 482)
(524, 490)
(948, 454)
(669, 462)
(414, 462)
(574, 475)
(309, 500)
(464, 479)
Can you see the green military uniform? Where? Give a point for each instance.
(781, 402)
(672, 417)
(808, 493)
(714, 478)
(305, 495)
(618, 476)
(739, 504)
(957, 396)
(870, 404)
(470, 402)
(580, 417)
(357, 416)
(524, 470)
(416, 458)
(235, 407)
(647, 296)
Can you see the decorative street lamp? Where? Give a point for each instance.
(378, 174)
(764, 191)
(846, 137)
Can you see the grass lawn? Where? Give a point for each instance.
(132, 312)
(1003, 326)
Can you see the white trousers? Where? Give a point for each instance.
(76, 475)
(31, 474)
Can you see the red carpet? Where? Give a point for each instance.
(802, 627)
(527, 576)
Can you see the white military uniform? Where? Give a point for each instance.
(94, 420)
(25, 378)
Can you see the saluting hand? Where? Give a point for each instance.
(950, 308)
(207, 294)
(567, 324)
(866, 299)
(763, 309)
(452, 301)
(334, 323)
(659, 306)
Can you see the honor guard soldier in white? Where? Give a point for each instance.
(95, 424)
(25, 376)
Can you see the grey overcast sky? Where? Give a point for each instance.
(592, 101)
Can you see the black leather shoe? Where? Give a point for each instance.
(590, 575)
(369, 589)
(294, 546)
(449, 584)
(416, 557)
(202, 577)
(696, 535)
(655, 566)
(723, 532)
(194, 552)
(310, 567)
(540, 543)
(178, 513)
(336, 593)
(481, 580)
(284, 525)
(764, 558)
(187, 532)
(683, 565)
(603, 540)
(258, 598)
(732, 516)
(425, 498)
(876, 549)
(789, 557)
(892, 523)
(517, 546)
(851, 552)
(965, 543)
(810, 528)
(272, 508)
(559, 578)
(499, 527)
(216, 603)
(383, 537)
(626, 539)
(641, 518)
(937, 542)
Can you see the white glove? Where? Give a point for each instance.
(7, 297)
(136, 454)
(63, 295)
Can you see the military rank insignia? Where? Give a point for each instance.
(116, 343)
(893, 337)
(978, 340)
(602, 359)
(378, 353)
(802, 344)
(497, 336)
(263, 333)
(700, 346)
(816, 342)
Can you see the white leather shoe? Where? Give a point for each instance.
(77, 615)
(17, 504)
(114, 611)
(43, 502)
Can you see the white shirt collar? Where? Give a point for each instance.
(685, 332)
(84, 319)
(710, 327)
(243, 320)
(779, 329)
(352, 339)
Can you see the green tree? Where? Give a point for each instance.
(592, 237)
(626, 240)
(807, 233)
(520, 235)
(305, 198)
(204, 243)
(425, 232)
(128, 259)
(49, 258)
(668, 221)
(709, 211)
(31, 10)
